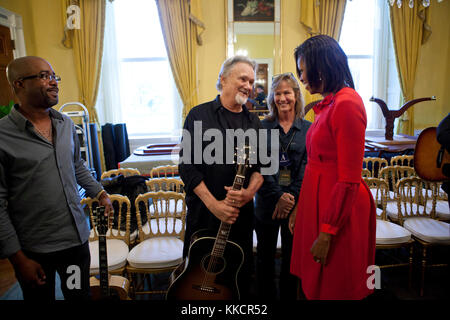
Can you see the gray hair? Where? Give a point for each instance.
(228, 65)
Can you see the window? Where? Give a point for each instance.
(149, 101)
(367, 41)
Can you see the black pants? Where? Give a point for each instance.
(69, 264)
(267, 235)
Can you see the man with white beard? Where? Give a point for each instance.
(210, 198)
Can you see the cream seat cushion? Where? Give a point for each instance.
(392, 209)
(429, 230)
(391, 233)
(116, 250)
(442, 209)
(158, 252)
(379, 212)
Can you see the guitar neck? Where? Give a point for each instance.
(103, 259)
(224, 229)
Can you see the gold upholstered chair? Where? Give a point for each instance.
(160, 247)
(117, 235)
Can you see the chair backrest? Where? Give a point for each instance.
(166, 214)
(164, 172)
(116, 230)
(392, 174)
(414, 193)
(441, 195)
(165, 184)
(365, 173)
(374, 165)
(380, 192)
(123, 171)
(404, 160)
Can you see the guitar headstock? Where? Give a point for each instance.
(101, 220)
(243, 158)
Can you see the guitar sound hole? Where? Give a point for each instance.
(212, 264)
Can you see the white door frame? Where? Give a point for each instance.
(14, 22)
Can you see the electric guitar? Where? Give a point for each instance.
(211, 268)
(109, 287)
(430, 156)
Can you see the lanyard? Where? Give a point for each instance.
(287, 147)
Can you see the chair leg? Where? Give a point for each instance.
(411, 252)
(424, 265)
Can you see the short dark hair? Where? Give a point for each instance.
(326, 62)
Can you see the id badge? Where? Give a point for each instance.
(285, 177)
(284, 159)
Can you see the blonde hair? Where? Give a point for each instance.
(293, 83)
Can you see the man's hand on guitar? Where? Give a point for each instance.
(224, 212)
(105, 201)
(238, 198)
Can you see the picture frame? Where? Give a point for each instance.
(253, 10)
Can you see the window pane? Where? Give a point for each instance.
(148, 97)
(357, 28)
(138, 29)
(362, 73)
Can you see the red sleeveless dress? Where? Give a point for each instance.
(334, 199)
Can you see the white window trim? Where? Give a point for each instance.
(14, 22)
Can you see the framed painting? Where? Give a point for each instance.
(253, 10)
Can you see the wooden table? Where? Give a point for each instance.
(401, 143)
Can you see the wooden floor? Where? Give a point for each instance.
(7, 277)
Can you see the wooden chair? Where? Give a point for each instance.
(165, 184)
(420, 219)
(365, 173)
(125, 172)
(374, 165)
(164, 172)
(392, 174)
(160, 247)
(403, 160)
(389, 235)
(442, 206)
(117, 239)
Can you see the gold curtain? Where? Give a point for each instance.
(321, 17)
(87, 45)
(181, 27)
(409, 31)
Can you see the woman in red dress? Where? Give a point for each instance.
(334, 228)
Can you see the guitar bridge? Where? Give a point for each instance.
(205, 288)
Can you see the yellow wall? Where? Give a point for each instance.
(433, 70)
(43, 31)
(212, 53)
(257, 46)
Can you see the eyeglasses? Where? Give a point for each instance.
(276, 76)
(43, 76)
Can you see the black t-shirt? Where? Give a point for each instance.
(212, 115)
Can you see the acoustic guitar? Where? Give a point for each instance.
(430, 157)
(211, 268)
(109, 287)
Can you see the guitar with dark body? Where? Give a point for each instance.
(211, 268)
(109, 287)
(430, 157)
